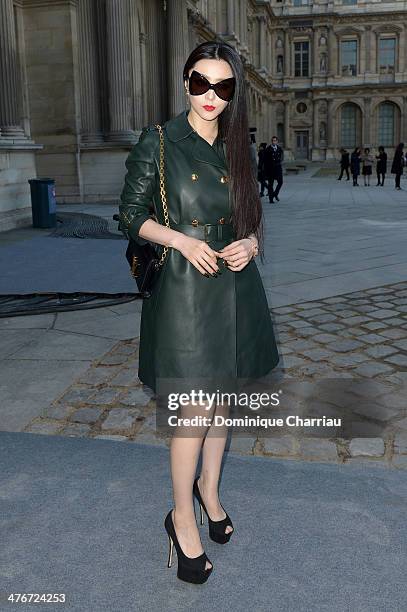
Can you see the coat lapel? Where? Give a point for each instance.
(204, 152)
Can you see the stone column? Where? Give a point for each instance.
(315, 53)
(138, 61)
(213, 14)
(236, 17)
(177, 37)
(90, 95)
(243, 23)
(156, 73)
(331, 140)
(269, 53)
(373, 53)
(333, 53)
(274, 53)
(262, 30)
(230, 16)
(287, 143)
(361, 68)
(287, 54)
(315, 129)
(401, 50)
(368, 46)
(403, 128)
(102, 68)
(9, 71)
(366, 136)
(270, 121)
(118, 71)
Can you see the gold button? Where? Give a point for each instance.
(222, 220)
(224, 179)
(194, 222)
(194, 177)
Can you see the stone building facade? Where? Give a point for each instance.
(339, 75)
(82, 77)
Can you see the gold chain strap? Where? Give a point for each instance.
(162, 192)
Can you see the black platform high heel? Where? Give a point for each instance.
(190, 569)
(216, 528)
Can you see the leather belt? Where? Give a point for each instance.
(208, 231)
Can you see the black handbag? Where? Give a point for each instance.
(144, 268)
(144, 260)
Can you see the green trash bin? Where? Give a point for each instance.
(43, 202)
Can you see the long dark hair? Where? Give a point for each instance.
(233, 127)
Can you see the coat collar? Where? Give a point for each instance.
(179, 128)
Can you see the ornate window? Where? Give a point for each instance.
(349, 56)
(387, 55)
(348, 125)
(280, 132)
(301, 58)
(386, 124)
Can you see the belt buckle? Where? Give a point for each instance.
(206, 231)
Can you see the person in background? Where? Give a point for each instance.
(355, 166)
(397, 165)
(260, 173)
(367, 164)
(344, 163)
(273, 158)
(381, 167)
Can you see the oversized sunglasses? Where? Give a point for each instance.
(199, 85)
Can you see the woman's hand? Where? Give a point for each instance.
(198, 252)
(238, 254)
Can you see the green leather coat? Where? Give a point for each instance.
(213, 331)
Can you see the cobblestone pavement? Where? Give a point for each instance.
(358, 337)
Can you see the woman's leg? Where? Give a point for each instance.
(212, 454)
(185, 447)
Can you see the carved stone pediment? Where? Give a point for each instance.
(349, 31)
(387, 28)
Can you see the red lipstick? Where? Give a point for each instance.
(207, 107)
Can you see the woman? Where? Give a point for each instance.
(397, 165)
(355, 166)
(261, 176)
(381, 167)
(344, 164)
(207, 319)
(367, 164)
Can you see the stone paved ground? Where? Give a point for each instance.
(335, 277)
(352, 339)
